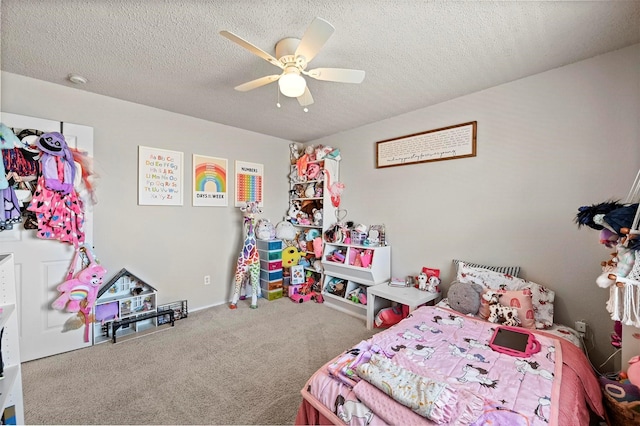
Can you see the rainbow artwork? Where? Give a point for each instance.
(248, 183)
(209, 181)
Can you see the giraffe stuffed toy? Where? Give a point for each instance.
(248, 266)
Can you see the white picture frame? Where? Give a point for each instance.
(160, 177)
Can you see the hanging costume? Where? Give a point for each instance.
(10, 206)
(58, 208)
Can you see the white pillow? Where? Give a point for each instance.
(542, 297)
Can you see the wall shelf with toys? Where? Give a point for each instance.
(312, 170)
(348, 270)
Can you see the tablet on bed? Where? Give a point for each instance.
(514, 341)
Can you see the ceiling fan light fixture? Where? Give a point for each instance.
(292, 84)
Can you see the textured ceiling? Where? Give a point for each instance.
(170, 55)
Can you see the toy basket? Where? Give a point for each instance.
(621, 413)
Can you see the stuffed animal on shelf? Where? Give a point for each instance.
(322, 151)
(290, 256)
(297, 191)
(313, 171)
(464, 297)
(310, 190)
(422, 281)
(317, 217)
(433, 284)
(293, 212)
(295, 153)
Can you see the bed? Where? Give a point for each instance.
(436, 367)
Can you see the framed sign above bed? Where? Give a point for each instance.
(447, 143)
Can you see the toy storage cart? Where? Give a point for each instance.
(270, 268)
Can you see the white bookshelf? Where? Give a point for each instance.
(11, 384)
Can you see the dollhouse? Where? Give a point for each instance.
(125, 305)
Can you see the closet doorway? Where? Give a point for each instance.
(43, 264)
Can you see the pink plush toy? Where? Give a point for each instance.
(313, 171)
(317, 247)
(633, 373)
(84, 286)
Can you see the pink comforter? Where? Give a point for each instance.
(550, 387)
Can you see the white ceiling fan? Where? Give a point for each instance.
(293, 55)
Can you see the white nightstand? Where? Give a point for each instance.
(410, 296)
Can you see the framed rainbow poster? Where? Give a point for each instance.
(209, 181)
(249, 183)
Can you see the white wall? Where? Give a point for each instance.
(546, 145)
(171, 248)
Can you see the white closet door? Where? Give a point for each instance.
(43, 264)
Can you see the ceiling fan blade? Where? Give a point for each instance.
(306, 98)
(259, 82)
(314, 38)
(251, 48)
(339, 75)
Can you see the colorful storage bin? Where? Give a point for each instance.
(270, 285)
(270, 255)
(270, 275)
(268, 245)
(270, 266)
(272, 294)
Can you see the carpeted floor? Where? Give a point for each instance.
(218, 366)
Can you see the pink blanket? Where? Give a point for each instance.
(445, 346)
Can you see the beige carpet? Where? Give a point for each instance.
(217, 366)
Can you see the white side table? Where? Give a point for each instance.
(410, 296)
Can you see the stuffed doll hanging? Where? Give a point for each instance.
(80, 293)
(58, 208)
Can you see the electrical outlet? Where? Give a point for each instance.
(207, 279)
(581, 326)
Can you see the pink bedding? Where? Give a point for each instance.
(449, 352)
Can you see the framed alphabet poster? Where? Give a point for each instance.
(249, 183)
(209, 181)
(160, 177)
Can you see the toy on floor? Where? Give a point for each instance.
(390, 316)
(248, 264)
(304, 292)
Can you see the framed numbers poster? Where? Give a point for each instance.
(249, 183)
(160, 177)
(209, 181)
